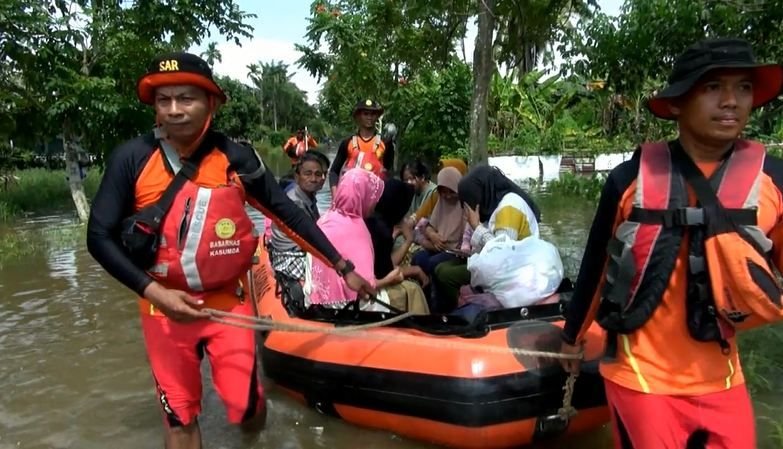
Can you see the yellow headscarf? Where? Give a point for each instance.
(459, 164)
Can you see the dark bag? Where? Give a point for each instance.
(139, 233)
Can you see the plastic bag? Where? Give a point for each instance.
(518, 272)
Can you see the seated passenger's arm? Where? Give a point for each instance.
(512, 222)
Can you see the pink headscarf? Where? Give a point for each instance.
(343, 224)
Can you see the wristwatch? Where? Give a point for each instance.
(347, 268)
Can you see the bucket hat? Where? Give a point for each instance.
(367, 105)
(711, 54)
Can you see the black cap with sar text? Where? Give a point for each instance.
(178, 68)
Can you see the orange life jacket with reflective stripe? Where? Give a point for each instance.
(731, 284)
(370, 160)
(207, 240)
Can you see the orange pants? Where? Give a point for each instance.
(722, 420)
(175, 351)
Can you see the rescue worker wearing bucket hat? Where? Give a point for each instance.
(169, 222)
(366, 149)
(689, 234)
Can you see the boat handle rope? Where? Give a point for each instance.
(565, 412)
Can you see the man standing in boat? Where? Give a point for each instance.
(169, 222)
(366, 149)
(297, 145)
(681, 256)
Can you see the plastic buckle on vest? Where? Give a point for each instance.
(688, 216)
(697, 264)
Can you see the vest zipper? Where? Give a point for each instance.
(183, 225)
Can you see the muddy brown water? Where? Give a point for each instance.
(74, 374)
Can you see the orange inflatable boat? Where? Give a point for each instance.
(434, 378)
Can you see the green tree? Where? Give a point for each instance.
(284, 106)
(372, 46)
(87, 52)
(634, 52)
(240, 117)
(432, 112)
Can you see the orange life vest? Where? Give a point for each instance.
(731, 284)
(369, 160)
(300, 147)
(207, 239)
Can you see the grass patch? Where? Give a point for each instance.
(761, 352)
(41, 190)
(16, 244)
(588, 187)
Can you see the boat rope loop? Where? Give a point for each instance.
(566, 412)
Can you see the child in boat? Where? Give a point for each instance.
(421, 214)
(427, 206)
(355, 198)
(390, 211)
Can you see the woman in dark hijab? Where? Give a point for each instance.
(494, 206)
(485, 186)
(389, 212)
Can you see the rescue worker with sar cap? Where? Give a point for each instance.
(681, 256)
(204, 247)
(366, 149)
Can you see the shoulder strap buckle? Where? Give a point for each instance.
(688, 216)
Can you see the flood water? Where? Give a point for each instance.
(74, 373)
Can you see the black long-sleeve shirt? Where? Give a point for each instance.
(115, 200)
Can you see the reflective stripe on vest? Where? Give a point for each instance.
(207, 238)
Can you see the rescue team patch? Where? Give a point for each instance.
(225, 228)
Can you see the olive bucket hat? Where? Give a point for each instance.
(711, 54)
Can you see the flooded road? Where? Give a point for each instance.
(74, 373)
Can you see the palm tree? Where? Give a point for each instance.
(212, 54)
(254, 73)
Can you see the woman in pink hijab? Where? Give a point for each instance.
(355, 198)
